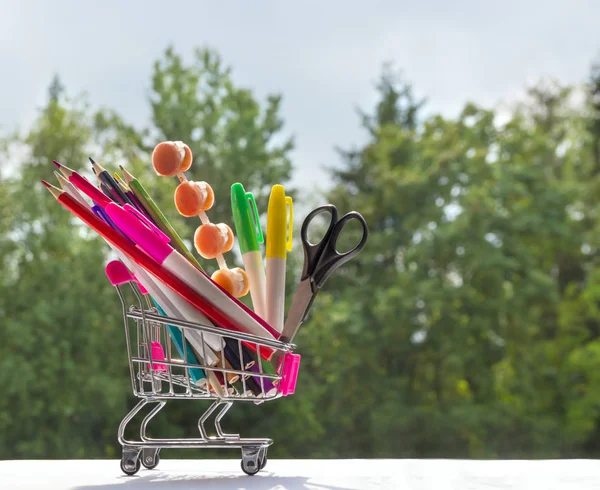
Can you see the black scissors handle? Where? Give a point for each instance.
(322, 258)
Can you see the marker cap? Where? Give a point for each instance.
(245, 217)
(279, 224)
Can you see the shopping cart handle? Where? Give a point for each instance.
(288, 369)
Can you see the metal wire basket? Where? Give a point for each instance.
(224, 366)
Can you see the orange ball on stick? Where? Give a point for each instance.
(234, 281)
(191, 198)
(169, 158)
(186, 162)
(211, 240)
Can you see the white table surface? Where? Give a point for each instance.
(305, 474)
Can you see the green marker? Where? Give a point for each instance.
(249, 233)
(158, 217)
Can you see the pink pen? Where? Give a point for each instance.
(129, 221)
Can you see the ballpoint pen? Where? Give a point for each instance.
(249, 233)
(170, 301)
(237, 316)
(279, 240)
(131, 255)
(117, 273)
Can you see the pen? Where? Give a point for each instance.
(249, 233)
(148, 282)
(171, 302)
(182, 309)
(157, 216)
(277, 244)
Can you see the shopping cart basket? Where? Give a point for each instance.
(164, 368)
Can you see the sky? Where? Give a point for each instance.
(324, 57)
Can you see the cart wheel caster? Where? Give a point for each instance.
(251, 467)
(262, 457)
(130, 466)
(150, 458)
(253, 459)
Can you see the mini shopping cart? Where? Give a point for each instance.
(162, 368)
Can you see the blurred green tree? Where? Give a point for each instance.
(468, 327)
(64, 388)
(468, 343)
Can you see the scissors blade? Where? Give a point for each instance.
(298, 310)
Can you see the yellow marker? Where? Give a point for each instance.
(279, 241)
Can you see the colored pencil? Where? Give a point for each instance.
(109, 182)
(83, 185)
(219, 317)
(125, 188)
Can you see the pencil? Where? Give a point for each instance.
(83, 185)
(110, 193)
(70, 188)
(173, 281)
(131, 251)
(128, 192)
(158, 217)
(109, 182)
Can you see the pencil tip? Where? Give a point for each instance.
(61, 179)
(126, 175)
(66, 171)
(92, 160)
(55, 191)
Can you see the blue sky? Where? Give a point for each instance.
(323, 56)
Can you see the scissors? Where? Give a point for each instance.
(320, 260)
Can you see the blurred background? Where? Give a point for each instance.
(468, 135)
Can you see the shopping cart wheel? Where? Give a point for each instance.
(150, 457)
(262, 455)
(251, 461)
(250, 467)
(130, 466)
